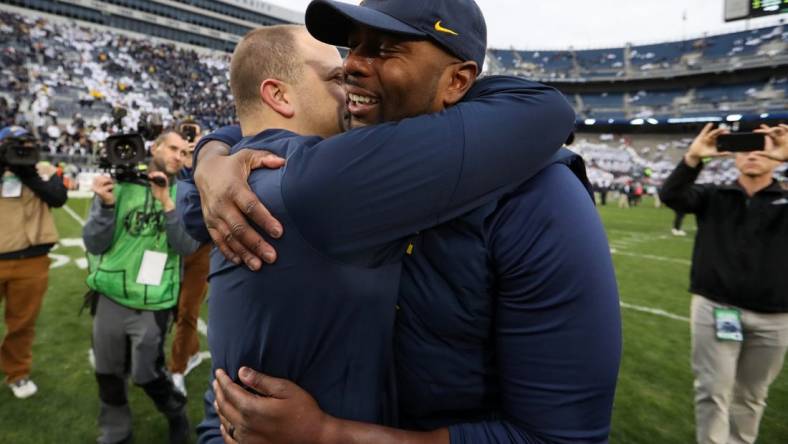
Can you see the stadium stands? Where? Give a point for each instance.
(59, 70)
(75, 85)
(756, 49)
(762, 43)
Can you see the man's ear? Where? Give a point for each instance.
(275, 94)
(462, 75)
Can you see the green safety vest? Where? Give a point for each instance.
(140, 225)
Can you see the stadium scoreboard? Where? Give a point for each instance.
(745, 9)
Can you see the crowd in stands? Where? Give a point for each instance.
(74, 86)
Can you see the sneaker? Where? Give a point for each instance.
(23, 388)
(194, 361)
(678, 232)
(179, 382)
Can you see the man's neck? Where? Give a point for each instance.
(753, 184)
(255, 123)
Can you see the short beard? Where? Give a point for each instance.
(161, 166)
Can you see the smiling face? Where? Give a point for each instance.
(390, 78)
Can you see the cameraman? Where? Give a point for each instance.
(739, 285)
(27, 236)
(138, 239)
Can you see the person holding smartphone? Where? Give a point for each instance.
(738, 282)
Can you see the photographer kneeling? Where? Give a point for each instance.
(27, 236)
(738, 280)
(135, 275)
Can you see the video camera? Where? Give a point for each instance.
(19, 151)
(122, 155)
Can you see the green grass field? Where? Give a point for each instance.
(653, 404)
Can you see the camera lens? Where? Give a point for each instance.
(125, 151)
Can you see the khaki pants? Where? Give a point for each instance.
(193, 289)
(23, 283)
(732, 378)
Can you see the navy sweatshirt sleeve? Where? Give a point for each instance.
(230, 135)
(187, 202)
(558, 326)
(362, 189)
(679, 191)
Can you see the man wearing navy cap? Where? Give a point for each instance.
(508, 328)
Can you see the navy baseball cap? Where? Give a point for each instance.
(456, 25)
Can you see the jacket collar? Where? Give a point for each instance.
(773, 187)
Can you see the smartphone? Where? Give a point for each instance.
(741, 142)
(189, 131)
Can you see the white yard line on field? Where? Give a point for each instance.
(74, 215)
(653, 257)
(655, 311)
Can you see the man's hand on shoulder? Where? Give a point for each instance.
(227, 200)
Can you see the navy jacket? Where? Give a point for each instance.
(323, 315)
(508, 328)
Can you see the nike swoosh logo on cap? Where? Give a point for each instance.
(440, 28)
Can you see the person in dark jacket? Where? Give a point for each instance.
(27, 236)
(739, 285)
